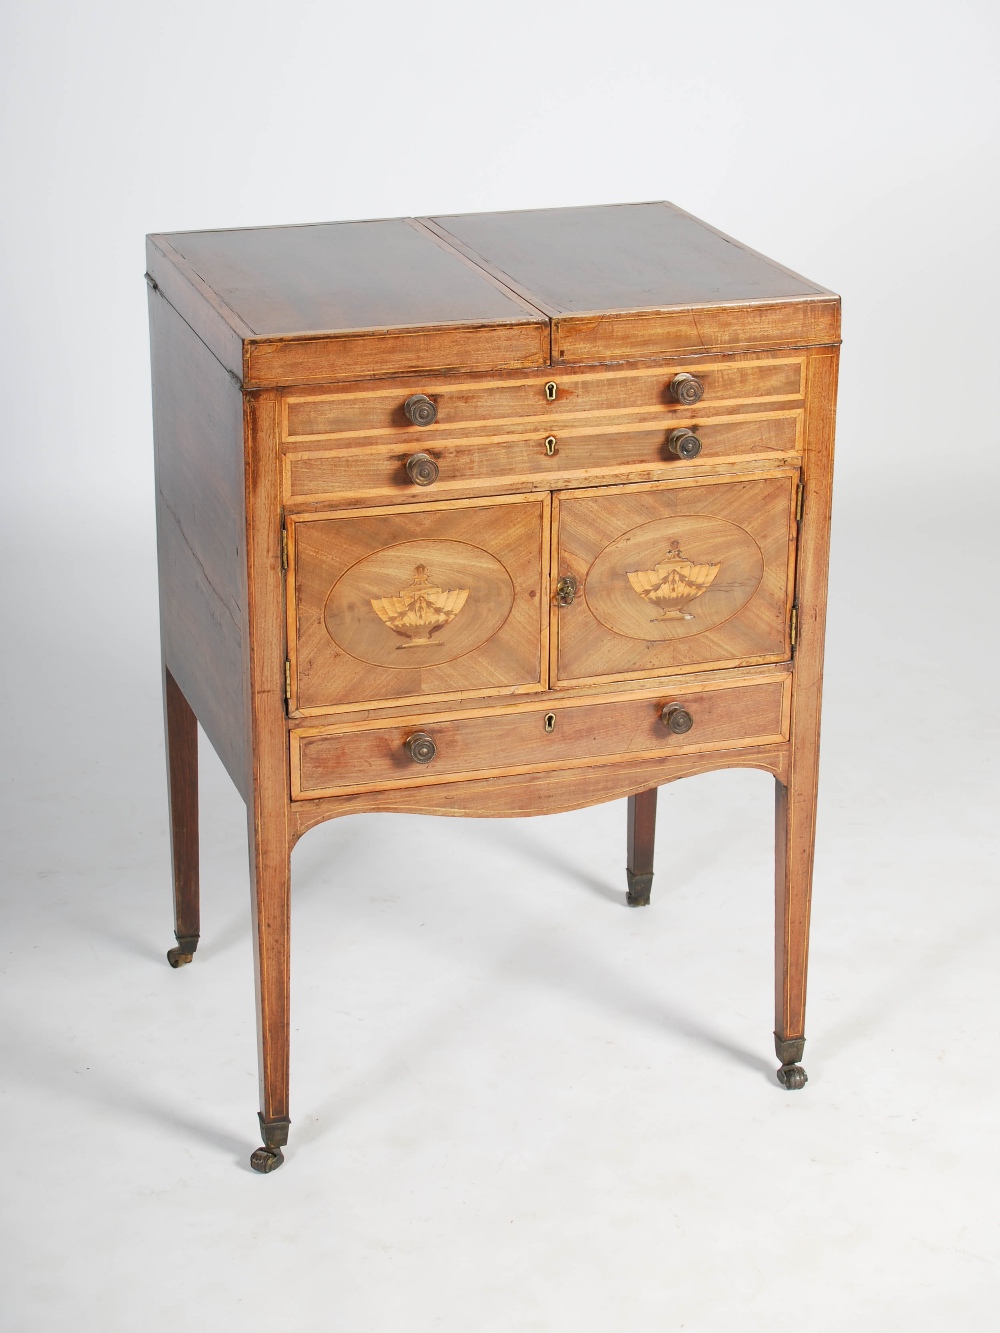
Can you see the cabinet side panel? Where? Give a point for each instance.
(198, 435)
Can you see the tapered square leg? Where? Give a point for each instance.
(181, 729)
(641, 837)
(795, 828)
(271, 882)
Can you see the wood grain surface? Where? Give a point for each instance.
(467, 580)
(479, 407)
(370, 353)
(580, 454)
(626, 546)
(345, 301)
(640, 280)
(696, 329)
(796, 799)
(268, 826)
(523, 795)
(619, 257)
(203, 310)
(516, 739)
(333, 276)
(386, 296)
(640, 844)
(319, 608)
(181, 734)
(201, 531)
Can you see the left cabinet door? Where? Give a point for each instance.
(423, 603)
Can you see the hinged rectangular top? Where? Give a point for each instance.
(487, 291)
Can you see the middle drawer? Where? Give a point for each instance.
(581, 454)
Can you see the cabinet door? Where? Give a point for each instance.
(428, 602)
(672, 576)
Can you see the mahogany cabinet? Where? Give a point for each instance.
(498, 514)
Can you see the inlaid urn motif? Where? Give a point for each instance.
(674, 583)
(419, 610)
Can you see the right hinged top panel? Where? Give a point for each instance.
(629, 281)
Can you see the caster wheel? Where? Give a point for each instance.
(792, 1077)
(176, 958)
(266, 1159)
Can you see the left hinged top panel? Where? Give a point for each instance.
(341, 301)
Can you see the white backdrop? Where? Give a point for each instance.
(856, 143)
(522, 1108)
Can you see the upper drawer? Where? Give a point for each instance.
(485, 406)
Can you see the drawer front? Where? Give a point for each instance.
(532, 738)
(431, 602)
(579, 452)
(482, 407)
(672, 576)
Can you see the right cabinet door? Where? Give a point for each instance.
(672, 576)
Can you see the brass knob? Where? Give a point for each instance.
(422, 470)
(421, 411)
(420, 747)
(566, 590)
(684, 388)
(676, 718)
(684, 443)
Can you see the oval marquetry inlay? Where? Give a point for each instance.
(674, 577)
(419, 603)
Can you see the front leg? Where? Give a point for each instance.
(795, 829)
(270, 869)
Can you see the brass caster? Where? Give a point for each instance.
(183, 950)
(275, 1136)
(792, 1077)
(266, 1159)
(639, 888)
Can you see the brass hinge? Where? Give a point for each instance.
(284, 548)
(799, 501)
(793, 626)
(288, 679)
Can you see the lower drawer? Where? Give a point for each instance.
(536, 737)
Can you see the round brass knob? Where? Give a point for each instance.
(684, 443)
(422, 412)
(422, 470)
(684, 388)
(420, 747)
(676, 718)
(566, 590)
